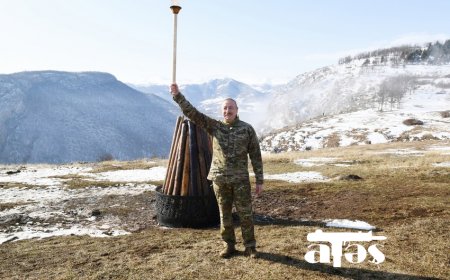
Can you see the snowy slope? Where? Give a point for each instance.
(58, 117)
(342, 88)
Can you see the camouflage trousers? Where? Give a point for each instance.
(227, 191)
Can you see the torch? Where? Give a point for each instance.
(175, 10)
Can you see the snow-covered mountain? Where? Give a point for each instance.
(345, 88)
(370, 99)
(56, 117)
(373, 97)
(208, 97)
(358, 83)
(423, 115)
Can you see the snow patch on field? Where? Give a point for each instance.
(298, 177)
(137, 175)
(41, 176)
(349, 224)
(442, 164)
(402, 152)
(318, 161)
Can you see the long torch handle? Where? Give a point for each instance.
(174, 59)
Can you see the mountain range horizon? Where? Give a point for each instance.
(58, 116)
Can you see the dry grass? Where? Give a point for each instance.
(80, 183)
(6, 185)
(7, 206)
(406, 197)
(121, 165)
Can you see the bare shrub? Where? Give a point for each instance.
(412, 122)
(332, 141)
(443, 85)
(445, 114)
(404, 137)
(106, 157)
(429, 136)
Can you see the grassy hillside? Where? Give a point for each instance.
(404, 192)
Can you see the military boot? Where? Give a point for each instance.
(251, 252)
(228, 251)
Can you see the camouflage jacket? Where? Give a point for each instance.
(231, 144)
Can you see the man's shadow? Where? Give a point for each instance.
(268, 220)
(351, 273)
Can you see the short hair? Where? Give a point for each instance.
(231, 99)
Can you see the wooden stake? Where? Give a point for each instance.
(185, 179)
(193, 151)
(180, 155)
(171, 154)
(173, 163)
(202, 163)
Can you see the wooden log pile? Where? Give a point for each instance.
(189, 161)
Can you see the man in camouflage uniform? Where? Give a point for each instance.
(233, 141)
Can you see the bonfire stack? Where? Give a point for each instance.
(189, 161)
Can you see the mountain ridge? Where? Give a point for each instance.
(59, 117)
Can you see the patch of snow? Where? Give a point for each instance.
(402, 152)
(376, 138)
(298, 177)
(442, 164)
(49, 176)
(347, 141)
(349, 224)
(27, 195)
(319, 161)
(157, 173)
(439, 148)
(315, 161)
(54, 194)
(342, 164)
(45, 232)
(42, 176)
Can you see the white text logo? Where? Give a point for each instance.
(353, 253)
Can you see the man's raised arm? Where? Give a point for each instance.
(191, 112)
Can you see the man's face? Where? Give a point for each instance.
(229, 111)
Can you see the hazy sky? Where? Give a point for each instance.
(252, 41)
